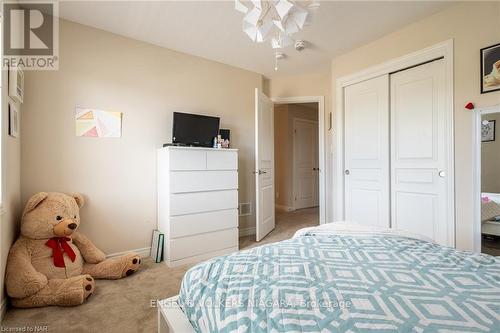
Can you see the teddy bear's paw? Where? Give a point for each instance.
(132, 264)
(88, 286)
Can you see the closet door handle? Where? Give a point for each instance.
(347, 172)
(442, 173)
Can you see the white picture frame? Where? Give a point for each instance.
(16, 84)
(14, 120)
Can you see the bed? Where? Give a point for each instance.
(337, 278)
(490, 214)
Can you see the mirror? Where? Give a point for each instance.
(490, 184)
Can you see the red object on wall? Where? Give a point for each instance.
(469, 106)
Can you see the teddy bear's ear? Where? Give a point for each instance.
(34, 201)
(78, 198)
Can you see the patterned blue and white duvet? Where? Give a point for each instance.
(345, 282)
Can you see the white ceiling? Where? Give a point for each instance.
(212, 29)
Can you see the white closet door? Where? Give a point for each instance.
(366, 171)
(418, 152)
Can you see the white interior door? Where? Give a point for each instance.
(305, 163)
(264, 165)
(419, 152)
(366, 172)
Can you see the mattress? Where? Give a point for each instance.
(339, 279)
(489, 211)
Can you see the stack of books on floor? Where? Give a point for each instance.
(157, 246)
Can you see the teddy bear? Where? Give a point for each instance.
(53, 264)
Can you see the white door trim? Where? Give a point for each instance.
(442, 50)
(321, 149)
(294, 160)
(477, 173)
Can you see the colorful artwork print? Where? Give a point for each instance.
(98, 123)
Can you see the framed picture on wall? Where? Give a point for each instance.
(13, 120)
(16, 84)
(488, 130)
(490, 69)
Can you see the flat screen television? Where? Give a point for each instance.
(194, 129)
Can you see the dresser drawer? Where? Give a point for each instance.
(194, 181)
(180, 159)
(186, 247)
(222, 160)
(198, 202)
(185, 225)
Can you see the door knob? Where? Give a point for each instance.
(260, 172)
(347, 172)
(442, 174)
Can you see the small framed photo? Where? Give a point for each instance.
(16, 84)
(490, 69)
(14, 121)
(488, 130)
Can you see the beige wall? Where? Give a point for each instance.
(283, 147)
(281, 152)
(11, 192)
(490, 159)
(147, 83)
(314, 84)
(472, 26)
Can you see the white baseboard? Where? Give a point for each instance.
(283, 208)
(143, 252)
(246, 231)
(3, 308)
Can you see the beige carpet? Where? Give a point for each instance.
(125, 305)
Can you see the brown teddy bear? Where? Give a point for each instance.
(51, 263)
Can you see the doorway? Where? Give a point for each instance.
(487, 173)
(296, 156)
(309, 189)
(296, 146)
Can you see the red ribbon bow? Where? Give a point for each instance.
(58, 246)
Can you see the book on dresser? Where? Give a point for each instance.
(197, 203)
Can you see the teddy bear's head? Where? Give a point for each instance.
(51, 214)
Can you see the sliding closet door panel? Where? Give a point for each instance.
(367, 152)
(418, 151)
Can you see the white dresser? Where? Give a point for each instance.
(197, 202)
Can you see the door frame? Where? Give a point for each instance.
(443, 50)
(476, 229)
(321, 141)
(294, 160)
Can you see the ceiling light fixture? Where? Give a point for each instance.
(277, 20)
